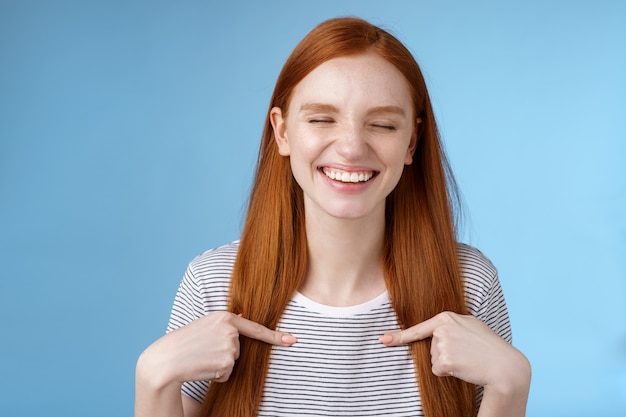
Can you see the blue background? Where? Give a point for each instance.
(128, 137)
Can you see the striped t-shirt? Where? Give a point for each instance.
(338, 367)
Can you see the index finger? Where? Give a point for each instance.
(257, 331)
(420, 331)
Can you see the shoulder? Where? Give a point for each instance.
(480, 276)
(213, 267)
(474, 264)
(204, 287)
(216, 260)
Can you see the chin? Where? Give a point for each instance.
(352, 213)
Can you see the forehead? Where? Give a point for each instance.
(365, 79)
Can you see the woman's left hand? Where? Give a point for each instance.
(464, 347)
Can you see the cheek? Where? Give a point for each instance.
(304, 145)
(301, 157)
(395, 156)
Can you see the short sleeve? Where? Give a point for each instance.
(187, 305)
(494, 312)
(202, 291)
(483, 293)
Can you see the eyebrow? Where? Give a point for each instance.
(332, 109)
(386, 109)
(319, 107)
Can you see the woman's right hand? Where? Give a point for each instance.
(205, 349)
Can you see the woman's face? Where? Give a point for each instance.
(349, 131)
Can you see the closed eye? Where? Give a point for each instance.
(320, 121)
(390, 128)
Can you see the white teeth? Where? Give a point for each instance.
(348, 176)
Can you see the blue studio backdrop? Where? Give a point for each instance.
(128, 138)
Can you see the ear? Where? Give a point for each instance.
(280, 131)
(408, 160)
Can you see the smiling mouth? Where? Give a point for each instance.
(350, 177)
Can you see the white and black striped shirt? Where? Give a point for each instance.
(338, 367)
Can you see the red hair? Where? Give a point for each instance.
(420, 262)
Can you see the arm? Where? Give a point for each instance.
(191, 407)
(205, 349)
(508, 398)
(466, 348)
(153, 401)
(152, 398)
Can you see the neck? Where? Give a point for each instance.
(345, 260)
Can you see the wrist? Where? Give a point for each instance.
(153, 373)
(508, 395)
(517, 380)
(155, 394)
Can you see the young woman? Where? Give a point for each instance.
(347, 294)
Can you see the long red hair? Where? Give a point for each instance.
(420, 262)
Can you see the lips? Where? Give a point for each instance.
(348, 176)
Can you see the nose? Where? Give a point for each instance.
(351, 143)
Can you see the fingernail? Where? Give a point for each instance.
(385, 339)
(288, 339)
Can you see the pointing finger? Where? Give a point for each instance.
(420, 331)
(259, 332)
